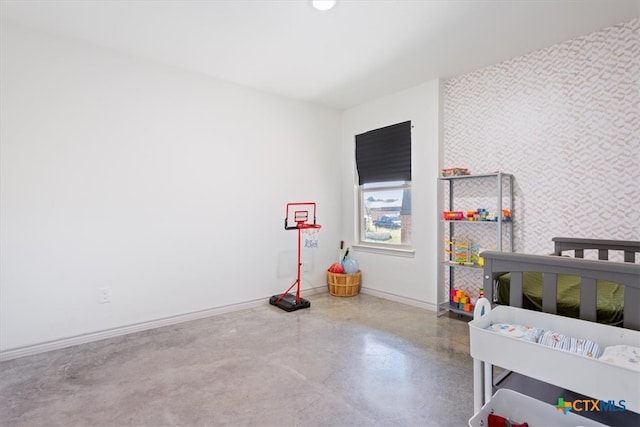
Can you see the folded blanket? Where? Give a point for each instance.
(623, 355)
(528, 333)
(552, 339)
(574, 345)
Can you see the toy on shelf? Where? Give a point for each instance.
(462, 252)
(453, 215)
(480, 214)
(460, 299)
(455, 172)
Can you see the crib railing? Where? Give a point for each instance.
(590, 271)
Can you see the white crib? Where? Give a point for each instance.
(588, 376)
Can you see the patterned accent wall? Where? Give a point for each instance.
(565, 121)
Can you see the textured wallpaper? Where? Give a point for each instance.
(565, 121)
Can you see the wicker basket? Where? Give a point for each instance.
(344, 285)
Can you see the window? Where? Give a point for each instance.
(383, 161)
(385, 213)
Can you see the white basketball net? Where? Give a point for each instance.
(310, 237)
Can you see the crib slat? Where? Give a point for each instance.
(631, 304)
(603, 254)
(629, 256)
(515, 289)
(588, 299)
(550, 293)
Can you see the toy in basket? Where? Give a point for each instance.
(343, 278)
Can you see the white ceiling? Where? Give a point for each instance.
(354, 53)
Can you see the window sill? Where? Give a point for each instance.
(401, 252)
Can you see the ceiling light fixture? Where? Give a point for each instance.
(323, 4)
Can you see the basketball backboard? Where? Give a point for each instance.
(299, 213)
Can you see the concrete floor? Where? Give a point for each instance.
(357, 361)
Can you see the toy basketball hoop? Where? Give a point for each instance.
(298, 213)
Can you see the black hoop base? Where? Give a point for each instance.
(289, 302)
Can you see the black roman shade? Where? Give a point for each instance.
(384, 155)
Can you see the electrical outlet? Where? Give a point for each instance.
(104, 295)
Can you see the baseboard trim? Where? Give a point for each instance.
(399, 298)
(34, 349)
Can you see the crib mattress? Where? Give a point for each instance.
(581, 374)
(609, 296)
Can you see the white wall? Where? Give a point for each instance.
(565, 120)
(165, 185)
(408, 279)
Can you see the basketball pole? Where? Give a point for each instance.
(297, 282)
